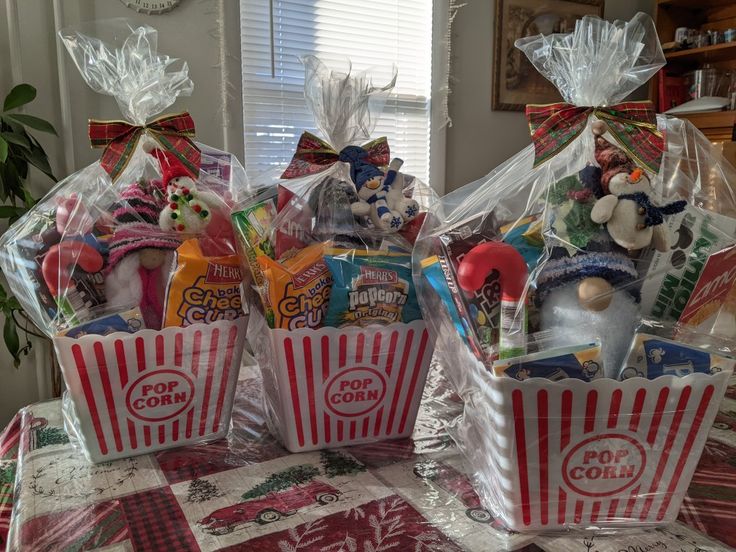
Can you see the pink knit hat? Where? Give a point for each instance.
(136, 222)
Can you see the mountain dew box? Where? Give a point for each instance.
(251, 224)
(250, 228)
(673, 274)
(370, 287)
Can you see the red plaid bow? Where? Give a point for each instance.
(633, 124)
(314, 155)
(120, 138)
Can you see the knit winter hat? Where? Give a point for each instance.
(171, 167)
(612, 159)
(136, 222)
(601, 258)
(360, 170)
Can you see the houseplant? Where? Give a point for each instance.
(19, 151)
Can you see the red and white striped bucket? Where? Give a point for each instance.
(151, 390)
(602, 454)
(335, 387)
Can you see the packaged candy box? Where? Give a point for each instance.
(130, 264)
(338, 334)
(581, 296)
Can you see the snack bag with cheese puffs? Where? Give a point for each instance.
(298, 288)
(203, 288)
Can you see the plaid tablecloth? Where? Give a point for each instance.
(239, 493)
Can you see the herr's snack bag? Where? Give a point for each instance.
(370, 287)
(202, 289)
(298, 288)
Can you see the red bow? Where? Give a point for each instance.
(314, 155)
(119, 138)
(633, 124)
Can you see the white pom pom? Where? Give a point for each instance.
(570, 324)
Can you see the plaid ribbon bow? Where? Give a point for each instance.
(119, 138)
(633, 124)
(314, 155)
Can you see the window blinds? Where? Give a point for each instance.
(373, 34)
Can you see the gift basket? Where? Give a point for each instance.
(339, 338)
(130, 264)
(582, 295)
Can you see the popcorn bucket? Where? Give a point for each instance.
(335, 387)
(152, 390)
(600, 454)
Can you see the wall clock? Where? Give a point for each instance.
(151, 7)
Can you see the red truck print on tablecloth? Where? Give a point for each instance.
(269, 508)
(452, 481)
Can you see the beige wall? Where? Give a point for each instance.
(480, 139)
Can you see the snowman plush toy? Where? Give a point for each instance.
(187, 209)
(632, 219)
(591, 291)
(380, 194)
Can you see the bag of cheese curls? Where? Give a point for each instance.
(203, 288)
(298, 288)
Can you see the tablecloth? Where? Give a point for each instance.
(246, 492)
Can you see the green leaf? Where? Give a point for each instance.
(28, 199)
(17, 139)
(36, 156)
(3, 150)
(19, 95)
(33, 122)
(10, 211)
(3, 294)
(12, 341)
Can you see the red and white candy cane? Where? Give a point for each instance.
(476, 266)
(59, 262)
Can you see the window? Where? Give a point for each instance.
(375, 34)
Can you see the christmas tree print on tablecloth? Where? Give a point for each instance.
(201, 490)
(47, 436)
(335, 463)
(285, 479)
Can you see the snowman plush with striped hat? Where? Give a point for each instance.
(188, 210)
(380, 194)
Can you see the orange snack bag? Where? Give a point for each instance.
(298, 288)
(203, 289)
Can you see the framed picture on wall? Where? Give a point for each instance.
(515, 80)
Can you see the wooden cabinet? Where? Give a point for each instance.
(715, 15)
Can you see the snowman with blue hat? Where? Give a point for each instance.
(380, 194)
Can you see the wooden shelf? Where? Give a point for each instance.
(698, 5)
(717, 52)
(716, 125)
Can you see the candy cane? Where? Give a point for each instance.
(472, 272)
(58, 264)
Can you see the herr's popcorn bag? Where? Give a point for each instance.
(339, 339)
(601, 227)
(91, 261)
(370, 287)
